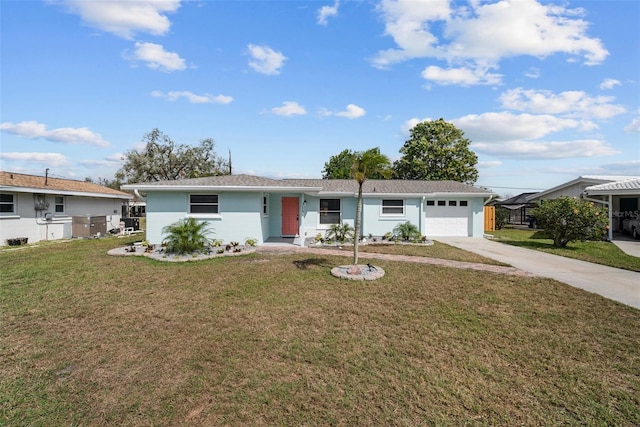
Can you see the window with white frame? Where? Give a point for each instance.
(329, 211)
(265, 205)
(203, 204)
(392, 207)
(7, 204)
(464, 203)
(59, 204)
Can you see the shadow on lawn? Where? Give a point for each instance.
(308, 263)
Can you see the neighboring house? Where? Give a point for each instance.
(519, 208)
(621, 194)
(44, 208)
(243, 206)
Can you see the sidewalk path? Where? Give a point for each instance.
(613, 283)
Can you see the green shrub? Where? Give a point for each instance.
(186, 236)
(502, 217)
(407, 231)
(569, 219)
(340, 232)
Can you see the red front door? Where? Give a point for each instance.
(290, 212)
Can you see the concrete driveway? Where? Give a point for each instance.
(613, 283)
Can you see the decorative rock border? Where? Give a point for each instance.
(358, 272)
(162, 256)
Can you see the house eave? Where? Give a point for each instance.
(221, 188)
(58, 192)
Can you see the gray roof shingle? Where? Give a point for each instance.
(332, 186)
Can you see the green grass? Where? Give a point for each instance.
(605, 253)
(89, 339)
(437, 250)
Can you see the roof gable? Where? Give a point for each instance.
(34, 184)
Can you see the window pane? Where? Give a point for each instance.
(441, 203)
(453, 203)
(197, 209)
(59, 208)
(5, 208)
(204, 198)
(395, 203)
(463, 203)
(329, 217)
(431, 202)
(329, 204)
(6, 198)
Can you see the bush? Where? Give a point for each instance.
(407, 231)
(340, 232)
(502, 217)
(186, 236)
(570, 220)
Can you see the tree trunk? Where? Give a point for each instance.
(356, 234)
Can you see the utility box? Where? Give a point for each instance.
(88, 226)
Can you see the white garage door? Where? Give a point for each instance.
(450, 219)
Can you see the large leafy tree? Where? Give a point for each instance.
(339, 166)
(437, 150)
(365, 165)
(162, 159)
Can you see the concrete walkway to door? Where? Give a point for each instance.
(613, 283)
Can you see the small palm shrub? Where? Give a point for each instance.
(186, 236)
(407, 231)
(340, 232)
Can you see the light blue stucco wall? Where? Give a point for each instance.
(477, 220)
(240, 215)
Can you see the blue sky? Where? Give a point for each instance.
(546, 91)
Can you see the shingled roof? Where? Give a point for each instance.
(321, 186)
(11, 181)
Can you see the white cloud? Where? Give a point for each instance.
(532, 73)
(568, 103)
(460, 76)
(609, 83)
(545, 150)
(327, 11)
(192, 97)
(125, 18)
(353, 111)
(156, 57)
(289, 108)
(506, 126)
(478, 37)
(34, 130)
(489, 164)
(48, 159)
(521, 27)
(634, 126)
(265, 60)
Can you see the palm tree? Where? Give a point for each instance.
(365, 165)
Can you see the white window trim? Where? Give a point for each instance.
(404, 208)
(322, 226)
(203, 215)
(13, 203)
(55, 205)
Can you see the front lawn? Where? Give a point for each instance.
(605, 253)
(89, 339)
